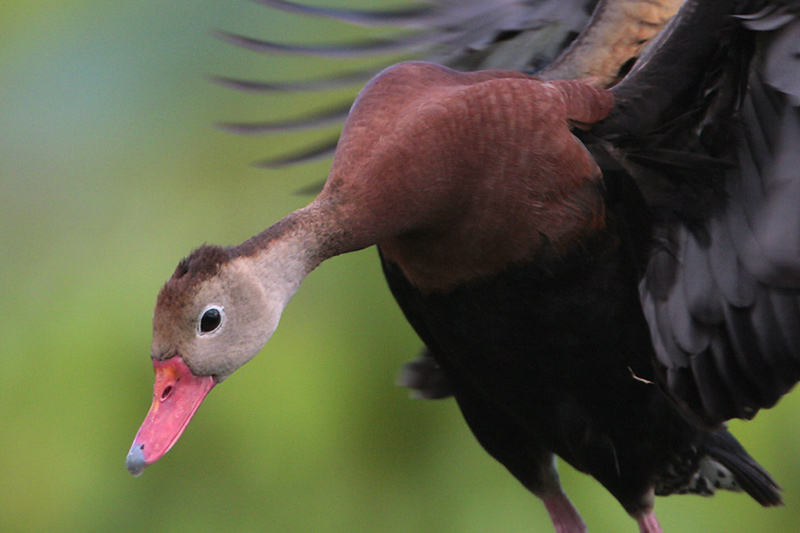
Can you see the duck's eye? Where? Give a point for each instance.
(210, 319)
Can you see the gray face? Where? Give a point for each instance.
(217, 324)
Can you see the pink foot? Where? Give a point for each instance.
(648, 523)
(563, 514)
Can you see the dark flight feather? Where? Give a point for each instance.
(749, 258)
(468, 35)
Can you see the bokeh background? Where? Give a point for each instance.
(110, 172)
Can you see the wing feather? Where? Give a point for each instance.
(463, 34)
(733, 303)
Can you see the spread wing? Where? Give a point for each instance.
(721, 293)
(463, 34)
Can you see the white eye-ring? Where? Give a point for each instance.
(210, 319)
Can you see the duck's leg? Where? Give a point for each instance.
(648, 523)
(517, 450)
(564, 515)
(525, 458)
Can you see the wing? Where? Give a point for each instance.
(463, 34)
(721, 289)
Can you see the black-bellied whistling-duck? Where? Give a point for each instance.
(600, 275)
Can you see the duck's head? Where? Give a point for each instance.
(212, 316)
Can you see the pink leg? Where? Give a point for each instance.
(563, 514)
(648, 523)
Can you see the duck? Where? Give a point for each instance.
(603, 270)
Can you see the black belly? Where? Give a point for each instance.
(555, 357)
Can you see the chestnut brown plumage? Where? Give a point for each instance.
(602, 275)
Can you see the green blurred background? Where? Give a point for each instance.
(109, 174)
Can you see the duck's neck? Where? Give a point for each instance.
(284, 254)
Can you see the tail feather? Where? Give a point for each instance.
(751, 476)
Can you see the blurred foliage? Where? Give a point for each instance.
(109, 173)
